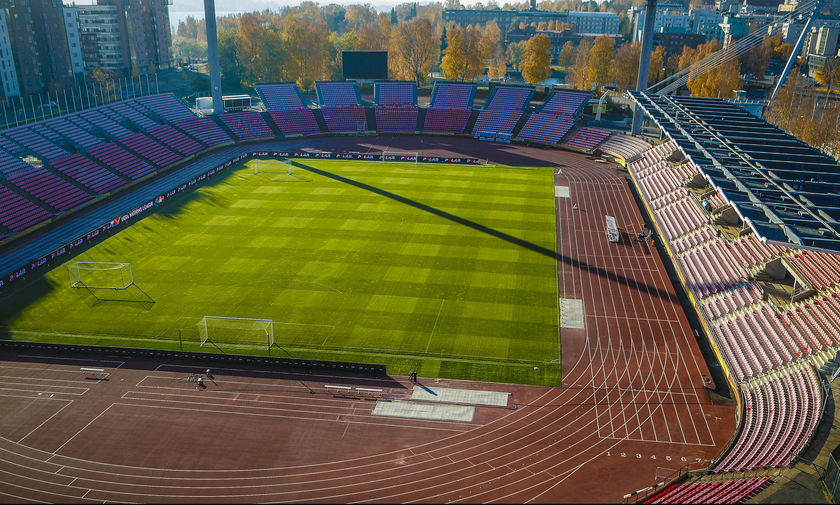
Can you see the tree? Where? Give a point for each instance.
(783, 51)
(657, 66)
(536, 59)
(454, 61)
(578, 75)
(188, 49)
(829, 76)
(393, 16)
(414, 48)
(474, 55)
(567, 54)
(514, 54)
(625, 67)
(228, 61)
(492, 52)
(376, 35)
(600, 61)
(718, 82)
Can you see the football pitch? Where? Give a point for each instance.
(446, 270)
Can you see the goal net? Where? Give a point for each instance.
(236, 331)
(273, 167)
(99, 275)
(400, 156)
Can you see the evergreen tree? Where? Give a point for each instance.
(393, 16)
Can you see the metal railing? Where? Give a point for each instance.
(17, 110)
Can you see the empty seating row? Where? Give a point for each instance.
(97, 118)
(204, 129)
(176, 140)
(48, 187)
(721, 491)
(131, 114)
(587, 139)
(396, 119)
(120, 160)
(568, 103)
(39, 145)
(18, 213)
(247, 125)
(548, 128)
(396, 93)
(88, 173)
(284, 96)
(9, 163)
(344, 119)
(297, 121)
(73, 132)
(337, 94)
(446, 120)
(779, 417)
(496, 121)
(165, 106)
(452, 96)
(153, 151)
(625, 146)
(509, 98)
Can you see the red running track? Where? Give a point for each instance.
(631, 410)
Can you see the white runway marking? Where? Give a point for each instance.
(470, 396)
(424, 411)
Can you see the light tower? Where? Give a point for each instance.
(644, 61)
(213, 56)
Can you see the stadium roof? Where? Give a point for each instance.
(785, 190)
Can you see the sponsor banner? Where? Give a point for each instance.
(146, 207)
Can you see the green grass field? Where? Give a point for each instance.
(436, 268)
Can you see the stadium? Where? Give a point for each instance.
(377, 300)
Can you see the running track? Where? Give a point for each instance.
(632, 407)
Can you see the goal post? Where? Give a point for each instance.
(400, 156)
(273, 167)
(236, 332)
(100, 275)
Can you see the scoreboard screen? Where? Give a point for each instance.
(365, 65)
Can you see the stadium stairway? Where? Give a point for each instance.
(370, 116)
(271, 124)
(129, 150)
(569, 134)
(68, 179)
(319, 118)
(224, 127)
(107, 167)
(421, 119)
(520, 124)
(471, 121)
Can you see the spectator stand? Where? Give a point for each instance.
(341, 106)
(396, 106)
(281, 96)
(450, 108)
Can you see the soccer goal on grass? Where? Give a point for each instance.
(400, 156)
(236, 332)
(273, 167)
(100, 275)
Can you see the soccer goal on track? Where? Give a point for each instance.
(101, 275)
(236, 332)
(400, 156)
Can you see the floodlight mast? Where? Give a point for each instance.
(796, 49)
(213, 56)
(644, 62)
